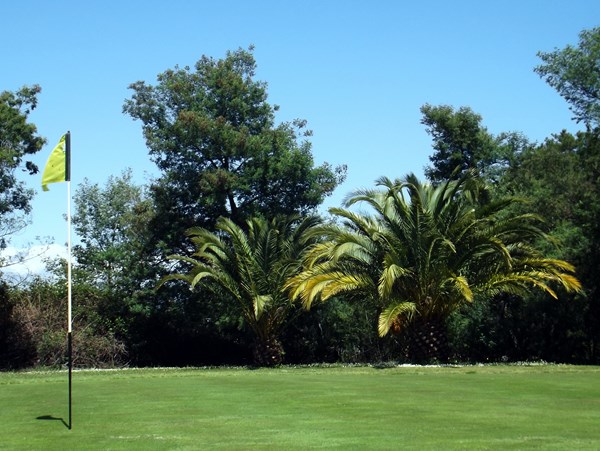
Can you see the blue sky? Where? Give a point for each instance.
(358, 71)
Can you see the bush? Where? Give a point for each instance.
(39, 330)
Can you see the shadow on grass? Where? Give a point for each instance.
(52, 418)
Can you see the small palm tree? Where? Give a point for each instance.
(426, 251)
(250, 267)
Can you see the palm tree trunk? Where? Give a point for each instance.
(428, 341)
(267, 351)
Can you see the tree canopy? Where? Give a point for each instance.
(461, 143)
(18, 139)
(575, 73)
(111, 223)
(212, 133)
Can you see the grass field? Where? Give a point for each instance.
(472, 407)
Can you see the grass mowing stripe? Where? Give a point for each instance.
(549, 407)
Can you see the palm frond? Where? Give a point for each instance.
(390, 275)
(169, 277)
(260, 303)
(393, 314)
(322, 282)
(461, 285)
(183, 258)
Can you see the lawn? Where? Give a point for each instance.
(471, 407)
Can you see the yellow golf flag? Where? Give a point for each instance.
(56, 167)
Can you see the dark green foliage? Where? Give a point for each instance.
(574, 176)
(18, 140)
(213, 136)
(114, 259)
(185, 337)
(554, 178)
(560, 179)
(434, 265)
(575, 73)
(17, 349)
(112, 225)
(511, 329)
(461, 144)
(339, 331)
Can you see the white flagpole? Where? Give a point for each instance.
(53, 174)
(69, 291)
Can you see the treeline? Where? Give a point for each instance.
(222, 259)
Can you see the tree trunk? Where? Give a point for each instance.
(428, 341)
(267, 352)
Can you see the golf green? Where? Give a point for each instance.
(465, 407)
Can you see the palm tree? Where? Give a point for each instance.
(249, 267)
(426, 251)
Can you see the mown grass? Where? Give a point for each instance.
(473, 407)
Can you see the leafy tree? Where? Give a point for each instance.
(250, 267)
(554, 180)
(590, 258)
(427, 251)
(575, 73)
(559, 178)
(111, 223)
(18, 140)
(212, 133)
(461, 144)
(213, 136)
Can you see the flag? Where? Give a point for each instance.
(57, 167)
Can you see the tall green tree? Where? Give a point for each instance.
(111, 222)
(425, 252)
(249, 267)
(554, 179)
(461, 143)
(212, 134)
(559, 178)
(575, 73)
(18, 141)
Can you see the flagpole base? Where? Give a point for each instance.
(70, 363)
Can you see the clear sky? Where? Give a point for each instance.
(358, 71)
